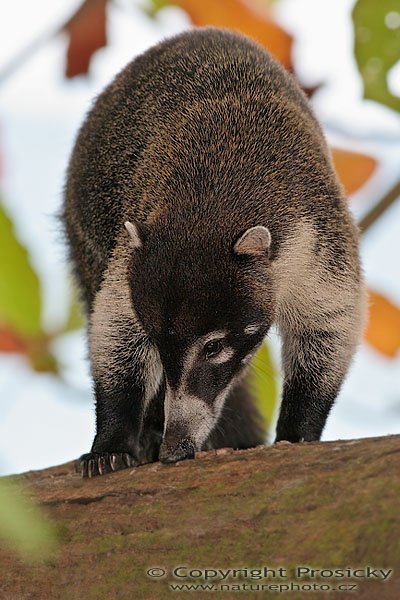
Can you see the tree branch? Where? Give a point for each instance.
(380, 207)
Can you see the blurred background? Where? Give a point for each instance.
(55, 57)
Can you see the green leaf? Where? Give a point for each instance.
(75, 318)
(20, 294)
(377, 46)
(23, 526)
(263, 382)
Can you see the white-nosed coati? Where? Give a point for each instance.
(201, 206)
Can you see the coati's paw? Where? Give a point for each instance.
(100, 463)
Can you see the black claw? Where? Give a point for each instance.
(129, 460)
(113, 462)
(91, 468)
(103, 464)
(116, 462)
(92, 464)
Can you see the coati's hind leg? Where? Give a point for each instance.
(128, 382)
(320, 334)
(240, 424)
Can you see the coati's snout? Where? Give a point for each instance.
(198, 382)
(182, 449)
(192, 407)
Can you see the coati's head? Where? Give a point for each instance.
(204, 300)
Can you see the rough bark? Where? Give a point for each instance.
(326, 505)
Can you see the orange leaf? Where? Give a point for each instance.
(383, 330)
(10, 342)
(243, 16)
(87, 33)
(36, 350)
(353, 168)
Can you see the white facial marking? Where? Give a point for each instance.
(213, 336)
(247, 358)
(252, 328)
(222, 357)
(189, 412)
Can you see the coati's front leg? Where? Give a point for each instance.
(128, 382)
(128, 431)
(118, 427)
(318, 346)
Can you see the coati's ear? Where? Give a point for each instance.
(254, 242)
(134, 235)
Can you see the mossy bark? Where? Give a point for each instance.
(332, 505)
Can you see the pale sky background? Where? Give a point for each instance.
(46, 421)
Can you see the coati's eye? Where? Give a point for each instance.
(212, 348)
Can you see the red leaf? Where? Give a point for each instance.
(310, 90)
(35, 349)
(87, 33)
(10, 342)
